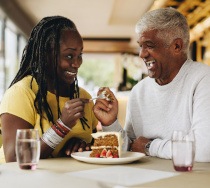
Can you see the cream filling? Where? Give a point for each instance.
(101, 147)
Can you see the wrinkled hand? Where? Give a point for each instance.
(106, 111)
(138, 145)
(72, 111)
(75, 145)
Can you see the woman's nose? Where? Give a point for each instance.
(76, 63)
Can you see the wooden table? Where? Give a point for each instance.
(56, 173)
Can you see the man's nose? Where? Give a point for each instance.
(143, 53)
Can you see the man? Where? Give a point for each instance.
(174, 96)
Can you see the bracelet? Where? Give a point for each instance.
(64, 132)
(146, 147)
(62, 129)
(63, 125)
(58, 131)
(51, 138)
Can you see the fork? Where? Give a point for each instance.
(101, 96)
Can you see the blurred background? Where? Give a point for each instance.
(107, 27)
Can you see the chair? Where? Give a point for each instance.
(0, 138)
(122, 105)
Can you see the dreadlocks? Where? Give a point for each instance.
(45, 39)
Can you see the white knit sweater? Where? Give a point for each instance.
(154, 111)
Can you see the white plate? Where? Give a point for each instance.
(127, 157)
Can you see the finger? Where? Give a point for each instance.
(102, 88)
(72, 104)
(72, 114)
(67, 104)
(70, 146)
(78, 115)
(76, 110)
(68, 151)
(103, 105)
(76, 147)
(82, 146)
(88, 147)
(85, 100)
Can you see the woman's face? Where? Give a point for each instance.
(70, 59)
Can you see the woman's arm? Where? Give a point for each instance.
(10, 123)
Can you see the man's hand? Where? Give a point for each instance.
(104, 110)
(138, 145)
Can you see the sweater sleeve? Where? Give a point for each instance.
(161, 148)
(127, 133)
(116, 127)
(201, 120)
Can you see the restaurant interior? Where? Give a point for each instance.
(107, 28)
(110, 48)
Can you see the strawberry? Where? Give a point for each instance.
(116, 156)
(109, 154)
(103, 153)
(97, 155)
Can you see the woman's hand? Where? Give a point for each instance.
(72, 111)
(75, 145)
(104, 110)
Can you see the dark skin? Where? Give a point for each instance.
(166, 63)
(71, 54)
(168, 59)
(69, 62)
(105, 110)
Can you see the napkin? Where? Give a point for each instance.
(123, 175)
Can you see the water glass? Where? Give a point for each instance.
(183, 150)
(27, 148)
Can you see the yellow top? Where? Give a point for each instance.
(19, 101)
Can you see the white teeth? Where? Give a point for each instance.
(71, 73)
(150, 63)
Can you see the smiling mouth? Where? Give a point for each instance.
(71, 73)
(150, 64)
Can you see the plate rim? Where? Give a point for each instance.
(123, 160)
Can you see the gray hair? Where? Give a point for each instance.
(169, 23)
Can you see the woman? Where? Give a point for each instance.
(45, 95)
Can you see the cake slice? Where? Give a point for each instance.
(106, 145)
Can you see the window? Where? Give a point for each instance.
(11, 47)
(97, 70)
(2, 64)
(10, 55)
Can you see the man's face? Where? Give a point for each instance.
(157, 56)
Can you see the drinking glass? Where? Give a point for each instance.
(183, 150)
(27, 148)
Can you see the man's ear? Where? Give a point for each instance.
(178, 45)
